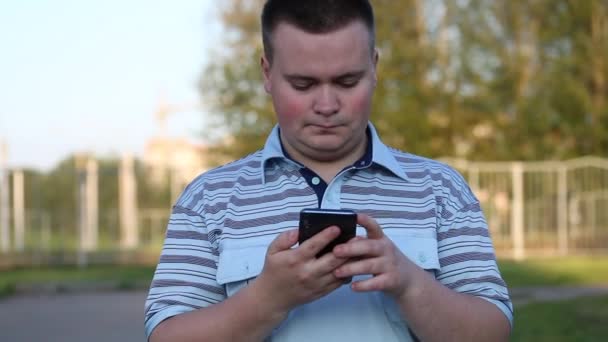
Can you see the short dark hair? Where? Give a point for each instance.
(314, 16)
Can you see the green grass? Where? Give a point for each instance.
(126, 277)
(571, 271)
(582, 319)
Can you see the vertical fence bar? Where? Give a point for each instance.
(92, 206)
(562, 209)
(18, 210)
(127, 190)
(82, 210)
(4, 198)
(517, 219)
(175, 183)
(474, 178)
(45, 235)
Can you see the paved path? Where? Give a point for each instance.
(91, 317)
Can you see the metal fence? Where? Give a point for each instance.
(99, 217)
(533, 208)
(543, 208)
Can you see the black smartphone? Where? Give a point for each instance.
(312, 221)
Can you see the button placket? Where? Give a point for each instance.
(331, 199)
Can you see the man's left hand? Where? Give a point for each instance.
(377, 255)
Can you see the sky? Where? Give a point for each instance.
(88, 75)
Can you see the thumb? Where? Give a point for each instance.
(283, 242)
(374, 231)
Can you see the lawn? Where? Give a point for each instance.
(582, 319)
(123, 276)
(571, 271)
(574, 271)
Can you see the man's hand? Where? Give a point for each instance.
(433, 311)
(376, 255)
(292, 277)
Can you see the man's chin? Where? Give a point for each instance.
(326, 152)
(324, 146)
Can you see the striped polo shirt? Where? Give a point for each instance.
(223, 223)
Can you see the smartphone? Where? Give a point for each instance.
(312, 221)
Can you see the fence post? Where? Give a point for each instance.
(4, 197)
(175, 181)
(517, 215)
(127, 189)
(562, 209)
(474, 178)
(18, 210)
(92, 200)
(82, 210)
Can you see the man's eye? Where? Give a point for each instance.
(348, 83)
(301, 85)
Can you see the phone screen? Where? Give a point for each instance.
(312, 221)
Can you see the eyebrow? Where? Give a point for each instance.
(298, 77)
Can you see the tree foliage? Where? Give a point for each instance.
(484, 80)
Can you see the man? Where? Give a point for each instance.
(423, 263)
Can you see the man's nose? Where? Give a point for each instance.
(327, 101)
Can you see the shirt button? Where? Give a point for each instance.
(316, 180)
(422, 257)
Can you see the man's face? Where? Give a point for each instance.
(321, 87)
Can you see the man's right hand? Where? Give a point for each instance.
(294, 276)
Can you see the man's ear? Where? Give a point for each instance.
(265, 66)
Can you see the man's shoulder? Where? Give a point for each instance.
(423, 169)
(234, 168)
(223, 177)
(410, 162)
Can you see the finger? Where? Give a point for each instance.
(378, 283)
(283, 242)
(363, 266)
(374, 231)
(315, 244)
(357, 238)
(327, 280)
(359, 248)
(329, 262)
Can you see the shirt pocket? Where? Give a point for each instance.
(421, 249)
(239, 265)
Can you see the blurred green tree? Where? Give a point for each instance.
(539, 69)
(478, 79)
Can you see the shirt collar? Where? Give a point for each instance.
(381, 153)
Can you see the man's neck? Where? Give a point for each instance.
(327, 170)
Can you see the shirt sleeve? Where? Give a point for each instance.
(467, 258)
(185, 278)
